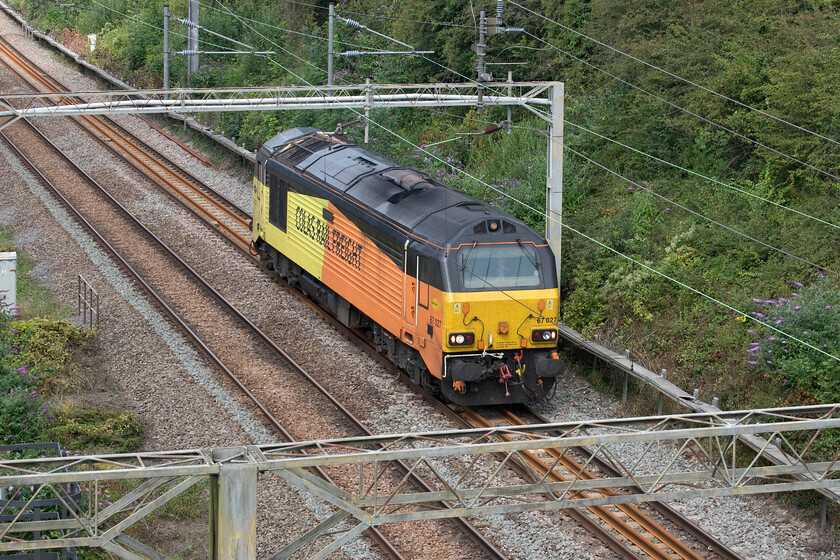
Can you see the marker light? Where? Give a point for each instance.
(461, 339)
(544, 335)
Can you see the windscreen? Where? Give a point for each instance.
(498, 267)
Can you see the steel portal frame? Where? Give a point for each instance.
(531, 95)
(705, 458)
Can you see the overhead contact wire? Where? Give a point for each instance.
(631, 259)
(699, 215)
(675, 76)
(153, 26)
(684, 110)
(593, 240)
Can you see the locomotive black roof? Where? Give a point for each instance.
(409, 198)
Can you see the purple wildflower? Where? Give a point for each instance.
(780, 321)
(772, 338)
(750, 331)
(769, 362)
(797, 308)
(752, 363)
(828, 307)
(757, 314)
(758, 300)
(797, 284)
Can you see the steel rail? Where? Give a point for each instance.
(663, 508)
(630, 510)
(466, 527)
(375, 534)
(152, 162)
(607, 516)
(204, 161)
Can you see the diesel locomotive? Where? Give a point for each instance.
(459, 295)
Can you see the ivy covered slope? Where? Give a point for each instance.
(729, 217)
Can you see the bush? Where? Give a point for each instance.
(23, 412)
(94, 429)
(811, 315)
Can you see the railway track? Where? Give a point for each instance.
(626, 540)
(632, 531)
(124, 230)
(212, 207)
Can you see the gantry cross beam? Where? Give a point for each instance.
(531, 95)
(699, 455)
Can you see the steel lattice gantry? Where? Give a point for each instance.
(531, 95)
(703, 457)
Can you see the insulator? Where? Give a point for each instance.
(514, 29)
(350, 53)
(353, 23)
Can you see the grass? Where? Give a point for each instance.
(33, 299)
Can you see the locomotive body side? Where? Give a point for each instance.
(332, 222)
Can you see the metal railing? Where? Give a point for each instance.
(87, 304)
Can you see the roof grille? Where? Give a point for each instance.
(297, 151)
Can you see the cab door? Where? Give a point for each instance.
(259, 186)
(410, 292)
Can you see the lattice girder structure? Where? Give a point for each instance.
(531, 95)
(697, 455)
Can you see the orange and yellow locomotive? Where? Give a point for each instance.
(459, 295)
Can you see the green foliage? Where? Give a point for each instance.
(812, 317)
(23, 412)
(49, 346)
(96, 430)
(779, 56)
(36, 361)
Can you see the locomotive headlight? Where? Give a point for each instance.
(544, 335)
(461, 339)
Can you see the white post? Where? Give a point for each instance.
(8, 282)
(554, 186)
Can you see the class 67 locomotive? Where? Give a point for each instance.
(461, 296)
